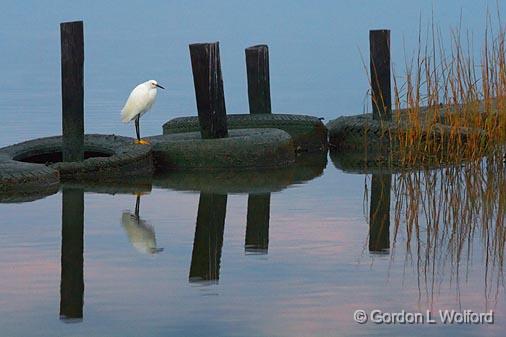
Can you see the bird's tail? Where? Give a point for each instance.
(125, 117)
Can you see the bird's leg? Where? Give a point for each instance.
(138, 132)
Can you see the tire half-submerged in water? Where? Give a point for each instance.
(243, 149)
(107, 157)
(25, 181)
(308, 133)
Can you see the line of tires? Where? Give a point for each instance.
(34, 169)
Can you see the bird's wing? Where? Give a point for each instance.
(137, 103)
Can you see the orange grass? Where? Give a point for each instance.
(448, 106)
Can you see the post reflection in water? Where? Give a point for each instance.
(257, 223)
(72, 280)
(208, 241)
(379, 213)
(141, 234)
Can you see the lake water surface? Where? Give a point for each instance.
(278, 253)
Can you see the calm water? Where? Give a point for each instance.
(284, 253)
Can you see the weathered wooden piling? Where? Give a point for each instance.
(257, 223)
(257, 68)
(72, 247)
(72, 89)
(379, 213)
(208, 241)
(208, 82)
(379, 44)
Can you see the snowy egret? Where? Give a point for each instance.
(139, 102)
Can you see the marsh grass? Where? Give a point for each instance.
(448, 105)
(451, 109)
(447, 140)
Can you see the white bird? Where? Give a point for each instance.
(139, 102)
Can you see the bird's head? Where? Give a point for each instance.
(154, 84)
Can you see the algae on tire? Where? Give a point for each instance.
(308, 133)
(243, 149)
(107, 157)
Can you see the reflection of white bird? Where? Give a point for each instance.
(139, 102)
(140, 234)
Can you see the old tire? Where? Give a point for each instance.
(308, 133)
(359, 132)
(107, 157)
(21, 182)
(363, 132)
(242, 150)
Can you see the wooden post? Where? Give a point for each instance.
(72, 89)
(208, 82)
(257, 223)
(208, 241)
(379, 213)
(72, 246)
(379, 43)
(259, 91)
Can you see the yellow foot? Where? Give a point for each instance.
(142, 142)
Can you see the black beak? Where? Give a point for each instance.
(159, 86)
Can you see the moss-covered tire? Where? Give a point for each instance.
(359, 132)
(360, 144)
(107, 158)
(243, 149)
(25, 181)
(362, 131)
(308, 133)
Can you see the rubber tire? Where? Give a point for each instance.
(357, 132)
(125, 160)
(243, 149)
(308, 133)
(360, 144)
(361, 131)
(21, 182)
